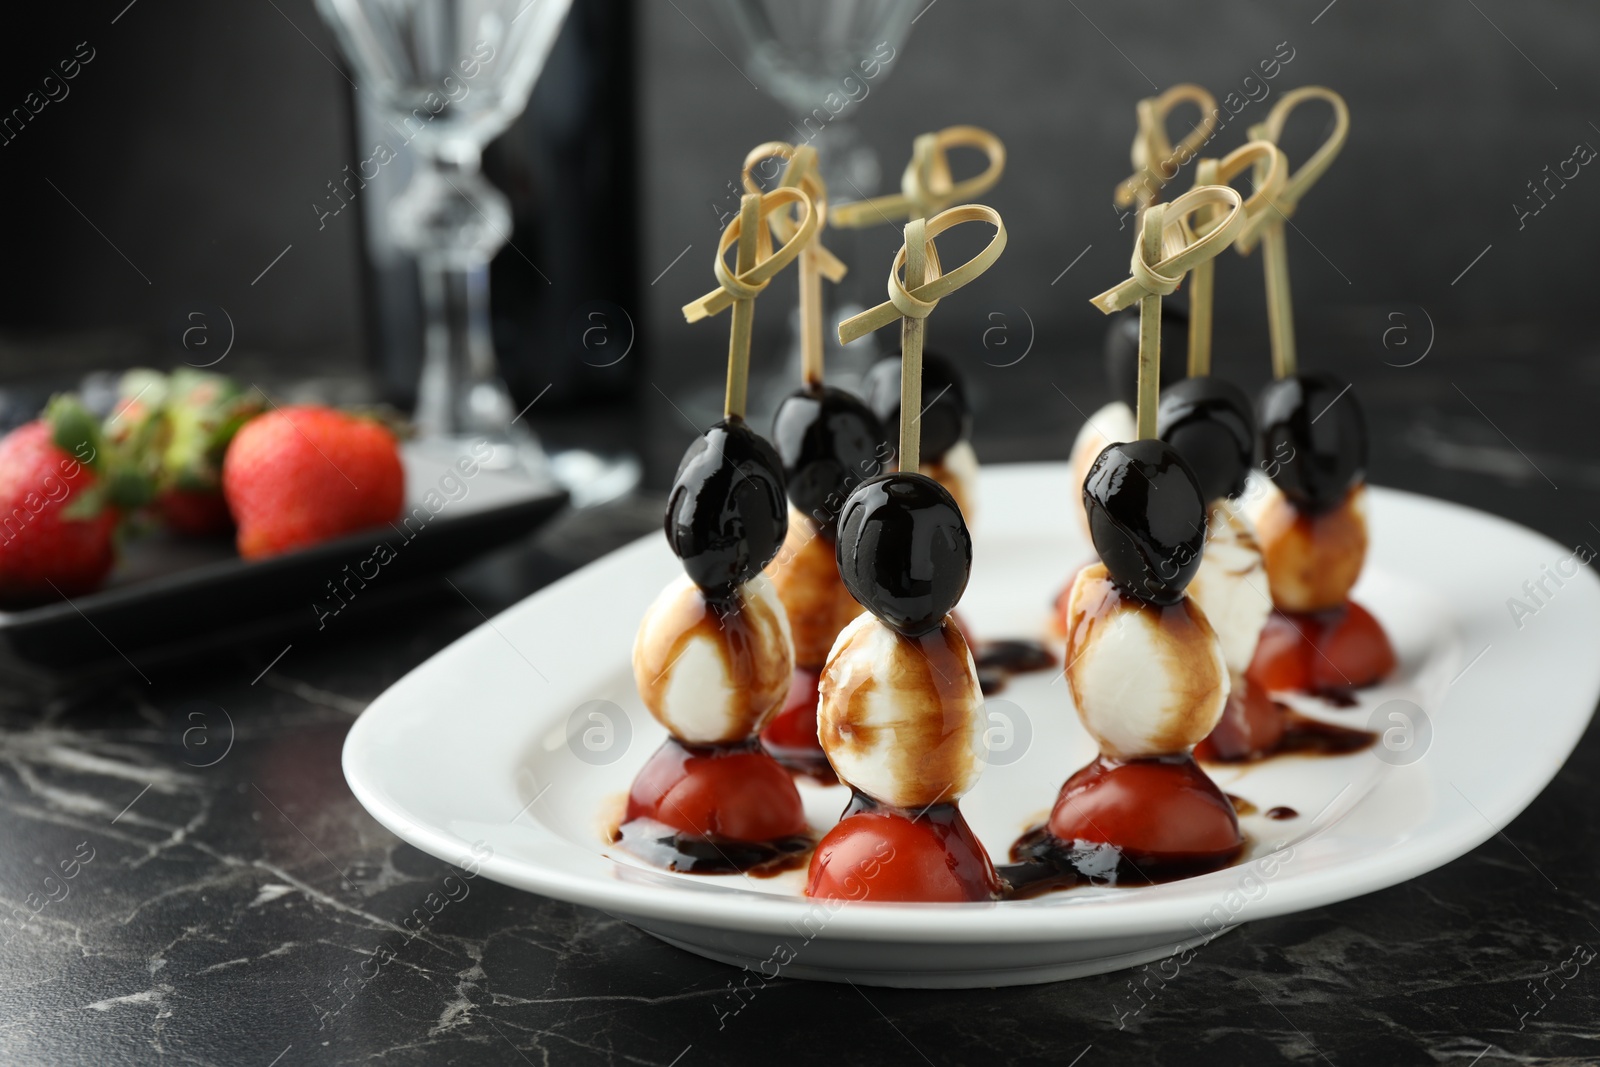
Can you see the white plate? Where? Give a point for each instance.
(481, 746)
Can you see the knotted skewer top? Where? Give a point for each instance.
(1274, 250)
(801, 170)
(1155, 161)
(909, 300)
(756, 264)
(926, 186)
(1300, 182)
(816, 262)
(914, 299)
(1261, 206)
(750, 281)
(1181, 248)
(1166, 250)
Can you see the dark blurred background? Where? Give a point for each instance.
(188, 153)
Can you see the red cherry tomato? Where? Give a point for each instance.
(1251, 726)
(794, 728)
(1163, 809)
(739, 794)
(1280, 660)
(885, 855)
(1355, 651)
(1341, 649)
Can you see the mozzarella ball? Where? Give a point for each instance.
(1147, 680)
(901, 718)
(806, 577)
(1231, 585)
(1312, 561)
(1111, 425)
(957, 471)
(712, 672)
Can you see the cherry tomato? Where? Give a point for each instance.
(1251, 726)
(737, 794)
(794, 728)
(1280, 660)
(1158, 809)
(1341, 649)
(886, 855)
(1355, 651)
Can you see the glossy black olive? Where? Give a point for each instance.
(829, 442)
(1122, 350)
(726, 515)
(1147, 517)
(904, 551)
(946, 419)
(1209, 421)
(1313, 439)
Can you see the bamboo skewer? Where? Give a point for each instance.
(1202, 289)
(1274, 247)
(1149, 400)
(744, 311)
(1259, 212)
(810, 319)
(1280, 302)
(926, 186)
(912, 331)
(755, 264)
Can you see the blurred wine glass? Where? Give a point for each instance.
(815, 57)
(821, 59)
(447, 77)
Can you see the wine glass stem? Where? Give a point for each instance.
(458, 391)
(455, 222)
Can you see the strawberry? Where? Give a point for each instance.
(195, 512)
(60, 491)
(176, 428)
(300, 475)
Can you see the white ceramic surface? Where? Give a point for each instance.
(482, 744)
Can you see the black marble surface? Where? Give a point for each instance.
(237, 894)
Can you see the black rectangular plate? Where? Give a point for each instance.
(169, 593)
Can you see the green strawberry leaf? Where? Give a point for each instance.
(128, 488)
(75, 431)
(85, 503)
(204, 412)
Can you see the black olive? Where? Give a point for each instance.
(1209, 421)
(946, 419)
(1147, 517)
(726, 515)
(829, 442)
(904, 551)
(1313, 439)
(1122, 350)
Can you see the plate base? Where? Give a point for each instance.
(926, 966)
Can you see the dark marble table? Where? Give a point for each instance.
(222, 914)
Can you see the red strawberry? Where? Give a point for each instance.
(56, 525)
(300, 475)
(194, 512)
